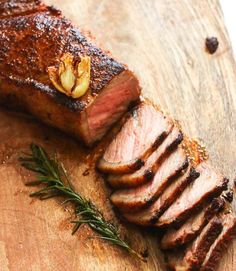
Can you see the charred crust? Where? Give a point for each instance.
(148, 174)
(216, 204)
(159, 140)
(24, 7)
(154, 219)
(193, 174)
(175, 143)
(225, 183)
(229, 196)
(133, 104)
(72, 104)
(57, 36)
(137, 165)
(185, 165)
(54, 11)
(191, 177)
(176, 174)
(218, 190)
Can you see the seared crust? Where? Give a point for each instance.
(30, 44)
(148, 216)
(134, 203)
(175, 238)
(20, 7)
(215, 253)
(135, 179)
(133, 165)
(191, 258)
(175, 193)
(194, 257)
(178, 219)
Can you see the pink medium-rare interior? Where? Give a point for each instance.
(112, 103)
(137, 135)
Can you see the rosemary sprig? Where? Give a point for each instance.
(53, 176)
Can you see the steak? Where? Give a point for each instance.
(210, 184)
(191, 228)
(196, 252)
(32, 43)
(220, 245)
(142, 133)
(20, 7)
(150, 167)
(149, 215)
(136, 198)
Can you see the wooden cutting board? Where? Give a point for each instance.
(163, 41)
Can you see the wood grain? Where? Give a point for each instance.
(163, 41)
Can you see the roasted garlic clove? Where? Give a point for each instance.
(70, 78)
(66, 73)
(83, 79)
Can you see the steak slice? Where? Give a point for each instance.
(215, 253)
(136, 198)
(142, 133)
(191, 228)
(149, 215)
(192, 258)
(210, 184)
(150, 167)
(29, 45)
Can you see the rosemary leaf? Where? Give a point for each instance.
(53, 176)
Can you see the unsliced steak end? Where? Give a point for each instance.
(146, 173)
(109, 106)
(190, 229)
(134, 199)
(149, 215)
(37, 41)
(141, 134)
(215, 253)
(210, 184)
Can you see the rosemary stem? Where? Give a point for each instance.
(52, 174)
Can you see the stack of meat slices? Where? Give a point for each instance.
(156, 184)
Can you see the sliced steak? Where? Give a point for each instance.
(149, 215)
(215, 253)
(142, 133)
(150, 167)
(210, 184)
(190, 229)
(193, 256)
(30, 44)
(136, 198)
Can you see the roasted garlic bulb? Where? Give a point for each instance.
(71, 78)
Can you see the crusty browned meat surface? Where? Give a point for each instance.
(210, 184)
(190, 229)
(139, 197)
(149, 215)
(217, 249)
(151, 165)
(142, 133)
(196, 254)
(10, 8)
(32, 43)
(193, 256)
